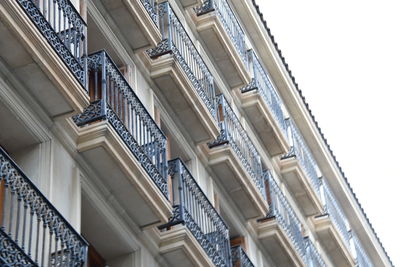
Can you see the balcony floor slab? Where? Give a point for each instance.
(235, 179)
(190, 109)
(332, 242)
(222, 49)
(134, 22)
(277, 243)
(122, 173)
(264, 122)
(180, 248)
(301, 187)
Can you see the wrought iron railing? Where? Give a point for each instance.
(262, 82)
(177, 42)
(240, 258)
(32, 231)
(361, 257)
(313, 258)
(151, 7)
(232, 133)
(114, 100)
(229, 22)
(64, 29)
(193, 209)
(300, 150)
(335, 212)
(281, 210)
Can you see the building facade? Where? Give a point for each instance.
(163, 133)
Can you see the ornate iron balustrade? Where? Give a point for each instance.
(313, 258)
(114, 100)
(300, 150)
(285, 215)
(177, 42)
(361, 257)
(335, 212)
(64, 29)
(193, 209)
(232, 133)
(240, 258)
(261, 81)
(230, 23)
(151, 7)
(32, 231)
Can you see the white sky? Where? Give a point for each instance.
(345, 56)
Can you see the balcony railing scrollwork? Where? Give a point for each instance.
(300, 150)
(229, 22)
(281, 210)
(151, 7)
(65, 30)
(114, 100)
(313, 258)
(193, 209)
(177, 42)
(232, 133)
(335, 212)
(32, 231)
(240, 258)
(261, 82)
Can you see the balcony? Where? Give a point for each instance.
(184, 79)
(264, 107)
(313, 258)
(299, 171)
(332, 230)
(281, 231)
(240, 258)
(43, 52)
(361, 257)
(225, 39)
(237, 163)
(33, 232)
(196, 235)
(136, 20)
(120, 140)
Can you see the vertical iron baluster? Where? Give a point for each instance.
(96, 85)
(44, 239)
(50, 248)
(37, 238)
(5, 203)
(126, 113)
(75, 46)
(103, 85)
(141, 132)
(149, 144)
(55, 263)
(54, 15)
(122, 106)
(44, 9)
(12, 192)
(18, 217)
(136, 122)
(24, 224)
(68, 43)
(64, 28)
(115, 97)
(30, 231)
(110, 90)
(48, 18)
(130, 118)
